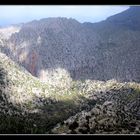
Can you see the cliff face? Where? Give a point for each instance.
(99, 51)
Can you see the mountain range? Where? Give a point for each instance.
(58, 75)
(97, 51)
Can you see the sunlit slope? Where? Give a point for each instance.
(29, 106)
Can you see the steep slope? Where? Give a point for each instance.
(119, 46)
(54, 43)
(29, 106)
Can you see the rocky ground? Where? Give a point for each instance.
(116, 111)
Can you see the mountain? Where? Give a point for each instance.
(60, 76)
(119, 45)
(28, 106)
(99, 51)
(128, 18)
(53, 43)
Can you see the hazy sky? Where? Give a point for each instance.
(20, 14)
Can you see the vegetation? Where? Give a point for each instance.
(30, 106)
(85, 70)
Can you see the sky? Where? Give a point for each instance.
(22, 14)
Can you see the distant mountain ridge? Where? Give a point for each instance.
(127, 18)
